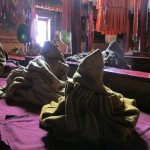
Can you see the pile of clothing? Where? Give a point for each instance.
(114, 56)
(91, 112)
(41, 81)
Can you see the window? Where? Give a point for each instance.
(44, 32)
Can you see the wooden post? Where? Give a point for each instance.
(142, 26)
(76, 26)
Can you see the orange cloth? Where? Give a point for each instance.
(112, 16)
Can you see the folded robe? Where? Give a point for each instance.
(90, 111)
(40, 82)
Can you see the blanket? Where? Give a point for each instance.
(39, 83)
(91, 112)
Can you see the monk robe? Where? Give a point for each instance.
(112, 16)
(91, 112)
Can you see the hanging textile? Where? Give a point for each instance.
(66, 15)
(112, 16)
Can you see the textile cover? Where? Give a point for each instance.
(90, 111)
(20, 129)
(42, 80)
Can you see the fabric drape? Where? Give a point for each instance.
(112, 16)
(90, 111)
(41, 81)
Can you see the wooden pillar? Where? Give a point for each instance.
(53, 26)
(76, 26)
(142, 26)
(127, 35)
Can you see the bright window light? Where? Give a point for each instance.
(43, 27)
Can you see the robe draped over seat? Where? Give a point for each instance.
(90, 111)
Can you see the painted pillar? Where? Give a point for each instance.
(143, 25)
(76, 26)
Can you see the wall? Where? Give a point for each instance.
(96, 45)
(13, 13)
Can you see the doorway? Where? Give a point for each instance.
(43, 31)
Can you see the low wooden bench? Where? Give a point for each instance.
(139, 63)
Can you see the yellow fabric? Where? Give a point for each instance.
(92, 113)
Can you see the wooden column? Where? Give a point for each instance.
(127, 35)
(76, 26)
(53, 26)
(142, 26)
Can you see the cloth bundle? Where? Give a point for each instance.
(40, 82)
(112, 16)
(114, 56)
(90, 111)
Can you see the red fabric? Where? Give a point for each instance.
(112, 16)
(66, 15)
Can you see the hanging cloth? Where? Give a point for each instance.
(112, 16)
